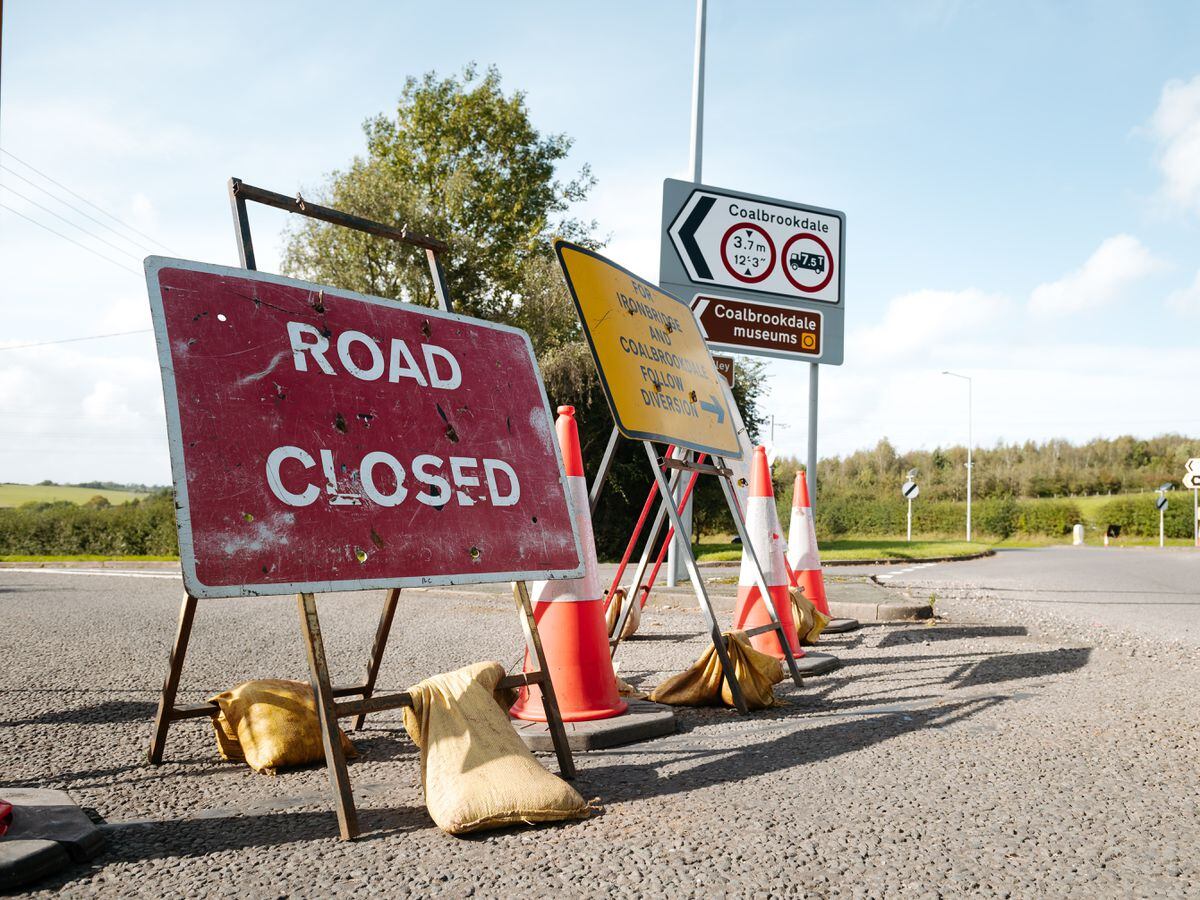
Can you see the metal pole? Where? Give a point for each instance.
(1160, 527)
(970, 447)
(1196, 516)
(677, 552)
(910, 520)
(811, 472)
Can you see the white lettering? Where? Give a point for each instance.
(457, 464)
(455, 377)
(432, 479)
(274, 461)
(345, 339)
(410, 369)
(490, 466)
(316, 347)
(367, 475)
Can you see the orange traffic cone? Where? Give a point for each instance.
(762, 527)
(570, 616)
(802, 552)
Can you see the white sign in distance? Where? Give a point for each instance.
(910, 490)
(1192, 467)
(1192, 480)
(1161, 504)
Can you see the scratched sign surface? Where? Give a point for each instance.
(323, 440)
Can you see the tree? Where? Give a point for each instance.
(459, 161)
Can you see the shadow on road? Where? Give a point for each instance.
(94, 714)
(1013, 666)
(920, 634)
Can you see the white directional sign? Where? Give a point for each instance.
(767, 247)
(740, 249)
(1192, 477)
(910, 490)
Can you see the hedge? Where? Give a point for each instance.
(145, 528)
(1138, 516)
(998, 518)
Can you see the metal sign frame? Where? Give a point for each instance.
(329, 707)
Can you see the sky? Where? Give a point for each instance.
(1021, 183)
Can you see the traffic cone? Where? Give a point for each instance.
(762, 527)
(570, 616)
(802, 552)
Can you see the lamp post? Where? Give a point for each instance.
(970, 443)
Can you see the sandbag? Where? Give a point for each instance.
(703, 683)
(270, 724)
(475, 771)
(810, 621)
(614, 611)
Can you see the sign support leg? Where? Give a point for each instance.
(606, 461)
(635, 586)
(811, 470)
(768, 601)
(335, 759)
(166, 702)
(533, 644)
(377, 648)
(664, 489)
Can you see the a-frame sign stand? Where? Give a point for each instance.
(330, 706)
(656, 330)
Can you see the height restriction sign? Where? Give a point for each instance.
(324, 440)
(754, 248)
(657, 372)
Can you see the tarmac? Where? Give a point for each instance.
(995, 750)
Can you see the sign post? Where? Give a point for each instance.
(1161, 503)
(911, 491)
(1191, 479)
(662, 386)
(323, 440)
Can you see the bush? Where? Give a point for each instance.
(63, 529)
(1138, 516)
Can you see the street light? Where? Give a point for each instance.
(969, 446)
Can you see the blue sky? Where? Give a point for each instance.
(1021, 182)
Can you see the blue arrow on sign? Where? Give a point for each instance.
(715, 408)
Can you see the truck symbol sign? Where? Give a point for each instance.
(813, 261)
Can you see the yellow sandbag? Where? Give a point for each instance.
(810, 621)
(703, 684)
(271, 723)
(614, 611)
(475, 771)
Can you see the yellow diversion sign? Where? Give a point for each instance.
(657, 372)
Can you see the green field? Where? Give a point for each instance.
(17, 494)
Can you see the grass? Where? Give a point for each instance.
(720, 549)
(17, 494)
(86, 557)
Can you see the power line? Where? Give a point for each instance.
(90, 337)
(71, 207)
(85, 200)
(72, 240)
(68, 221)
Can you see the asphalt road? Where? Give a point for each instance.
(996, 752)
(1145, 590)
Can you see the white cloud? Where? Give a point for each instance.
(1186, 299)
(918, 321)
(1175, 126)
(1116, 267)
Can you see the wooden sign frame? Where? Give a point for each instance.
(327, 696)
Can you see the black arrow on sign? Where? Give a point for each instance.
(715, 408)
(687, 236)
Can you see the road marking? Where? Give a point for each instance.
(907, 570)
(110, 573)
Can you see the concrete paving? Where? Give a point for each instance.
(1146, 590)
(1003, 750)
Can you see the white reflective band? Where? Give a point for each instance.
(761, 523)
(574, 590)
(802, 541)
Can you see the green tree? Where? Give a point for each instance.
(460, 161)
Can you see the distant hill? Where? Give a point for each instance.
(48, 492)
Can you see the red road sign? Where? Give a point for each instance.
(323, 440)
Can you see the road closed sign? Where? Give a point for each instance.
(657, 372)
(324, 440)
